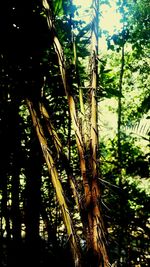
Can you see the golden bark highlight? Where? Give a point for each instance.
(56, 183)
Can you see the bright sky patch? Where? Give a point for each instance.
(109, 19)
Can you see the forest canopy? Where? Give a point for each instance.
(74, 133)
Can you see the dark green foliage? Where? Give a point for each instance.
(145, 106)
(125, 204)
(107, 81)
(31, 230)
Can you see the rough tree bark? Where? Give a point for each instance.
(90, 206)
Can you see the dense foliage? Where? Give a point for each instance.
(43, 208)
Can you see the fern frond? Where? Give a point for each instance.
(140, 129)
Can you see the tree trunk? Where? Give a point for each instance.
(15, 170)
(93, 223)
(33, 202)
(56, 184)
(122, 197)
